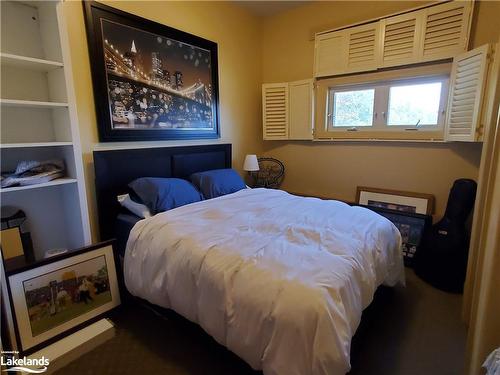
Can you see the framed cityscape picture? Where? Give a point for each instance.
(56, 296)
(151, 82)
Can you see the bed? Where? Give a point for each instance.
(280, 280)
(125, 221)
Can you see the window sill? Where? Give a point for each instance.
(385, 136)
(364, 140)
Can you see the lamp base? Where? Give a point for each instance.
(252, 179)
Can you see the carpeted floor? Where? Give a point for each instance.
(409, 331)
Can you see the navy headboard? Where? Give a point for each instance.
(115, 169)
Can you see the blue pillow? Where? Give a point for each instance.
(162, 194)
(217, 182)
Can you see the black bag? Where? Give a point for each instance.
(441, 259)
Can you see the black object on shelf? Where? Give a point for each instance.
(12, 217)
(442, 257)
(29, 253)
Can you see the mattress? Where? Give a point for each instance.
(280, 280)
(124, 224)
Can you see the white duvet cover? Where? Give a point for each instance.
(278, 279)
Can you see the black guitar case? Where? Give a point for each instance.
(441, 259)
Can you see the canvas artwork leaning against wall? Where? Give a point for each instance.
(64, 294)
(55, 297)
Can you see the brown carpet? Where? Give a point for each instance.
(409, 331)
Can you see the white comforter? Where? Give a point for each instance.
(278, 279)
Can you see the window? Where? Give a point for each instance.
(395, 105)
(353, 108)
(400, 104)
(414, 104)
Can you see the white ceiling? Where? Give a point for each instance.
(265, 8)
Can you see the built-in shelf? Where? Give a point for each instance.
(35, 144)
(39, 122)
(31, 63)
(31, 103)
(57, 182)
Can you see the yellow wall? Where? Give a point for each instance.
(335, 169)
(273, 49)
(484, 331)
(238, 36)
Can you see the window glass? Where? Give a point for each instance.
(353, 108)
(415, 104)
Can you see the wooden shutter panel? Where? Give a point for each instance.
(329, 54)
(446, 30)
(275, 110)
(401, 37)
(468, 81)
(363, 51)
(300, 96)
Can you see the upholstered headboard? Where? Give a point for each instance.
(115, 169)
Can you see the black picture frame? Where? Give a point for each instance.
(411, 226)
(17, 266)
(162, 112)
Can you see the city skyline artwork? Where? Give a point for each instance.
(159, 82)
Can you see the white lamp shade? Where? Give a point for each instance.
(251, 163)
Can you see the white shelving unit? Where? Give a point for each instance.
(39, 122)
(39, 144)
(31, 63)
(31, 104)
(59, 181)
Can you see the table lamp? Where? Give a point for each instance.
(250, 165)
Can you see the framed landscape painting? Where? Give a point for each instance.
(53, 297)
(151, 82)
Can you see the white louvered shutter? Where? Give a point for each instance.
(330, 54)
(446, 30)
(275, 111)
(468, 82)
(363, 48)
(301, 113)
(401, 39)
